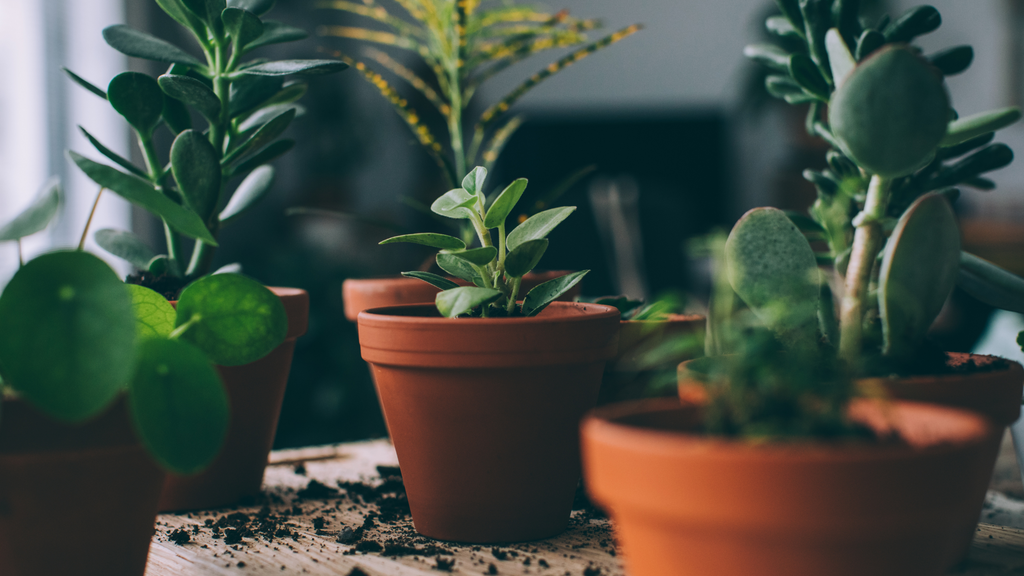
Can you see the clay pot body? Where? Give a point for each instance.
(684, 503)
(484, 413)
(76, 500)
(629, 374)
(365, 293)
(255, 392)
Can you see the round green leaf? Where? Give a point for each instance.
(525, 257)
(504, 203)
(138, 98)
(439, 241)
(196, 167)
(154, 315)
(458, 301)
(238, 320)
(178, 404)
(68, 338)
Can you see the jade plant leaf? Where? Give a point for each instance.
(250, 91)
(918, 271)
(68, 344)
(839, 57)
(249, 192)
(915, 22)
(263, 136)
(192, 92)
(454, 204)
(138, 98)
(161, 265)
(85, 83)
(806, 74)
(869, 41)
(242, 25)
(538, 226)
(458, 301)
(196, 167)
(257, 7)
(125, 245)
(275, 32)
(176, 115)
(176, 10)
(37, 215)
(154, 315)
(114, 156)
(546, 293)
(237, 320)
(132, 42)
(953, 60)
(525, 257)
(432, 279)
(768, 54)
(478, 256)
(990, 283)
(968, 127)
(439, 241)
(891, 113)
(459, 268)
(178, 405)
(505, 203)
(304, 67)
(262, 157)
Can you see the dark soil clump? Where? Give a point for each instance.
(180, 537)
(167, 286)
(316, 491)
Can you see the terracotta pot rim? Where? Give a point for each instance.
(382, 317)
(399, 278)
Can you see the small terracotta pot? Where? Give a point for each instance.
(76, 500)
(684, 503)
(484, 413)
(362, 294)
(255, 391)
(629, 374)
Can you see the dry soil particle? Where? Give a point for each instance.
(180, 537)
(444, 564)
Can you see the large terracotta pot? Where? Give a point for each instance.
(685, 503)
(365, 293)
(76, 500)
(641, 358)
(484, 413)
(994, 394)
(255, 392)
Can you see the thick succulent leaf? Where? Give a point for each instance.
(266, 134)
(303, 67)
(233, 268)
(239, 321)
(37, 215)
(965, 147)
(139, 44)
(125, 245)
(806, 74)
(546, 293)
(257, 7)
(161, 265)
(769, 55)
(142, 192)
(68, 343)
(459, 301)
(114, 156)
(249, 192)
(191, 92)
(138, 98)
(242, 25)
(915, 22)
(249, 92)
(918, 272)
(176, 10)
(154, 315)
(505, 203)
(176, 115)
(791, 12)
(786, 88)
(178, 404)
(525, 257)
(990, 283)
(264, 114)
(839, 57)
(439, 241)
(953, 60)
(196, 167)
(987, 159)
(291, 91)
(783, 28)
(208, 11)
(275, 32)
(477, 256)
(432, 279)
(891, 113)
(869, 41)
(538, 226)
(268, 154)
(773, 269)
(455, 204)
(459, 268)
(975, 125)
(474, 181)
(85, 84)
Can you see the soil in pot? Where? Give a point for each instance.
(685, 503)
(255, 392)
(53, 475)
(484, 413)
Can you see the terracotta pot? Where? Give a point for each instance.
(632, 371)
(994, 394)
(684, 503)
(484, 413)
(362, 294)
(76, 500)
(255, 391)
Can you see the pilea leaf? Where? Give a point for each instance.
(125, 245)
(303, 67)
(546, 293)
(538, 226)
(440, 241)
(478, 256)
(248, 194)
(525, 257)
(458, 301)
(37, 215)
(132, 42)
(191, 92)
(154, 315)
(196, 167)
(432, 279)
(138, 98)
(454, 204)
(505, 203)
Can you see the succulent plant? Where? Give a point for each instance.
(245, 106)
(898, 148)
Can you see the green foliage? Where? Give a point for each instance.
(154, 315)
(37, 215)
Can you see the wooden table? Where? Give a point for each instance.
(305, 523)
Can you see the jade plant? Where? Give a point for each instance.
(216, 169)
(496, 272)
(897, 151)
(76, 339)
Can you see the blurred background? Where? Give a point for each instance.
(673, 124)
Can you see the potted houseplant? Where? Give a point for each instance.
(883, 211)
(245, 105)
(99, 379)
(483, 391)
(462, 44)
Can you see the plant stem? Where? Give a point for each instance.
(195, 319)
(867, 241)
(515, 293)
(202, 256)
(88, 222)
(21, 258)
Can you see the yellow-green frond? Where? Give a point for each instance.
(499, 140)
(375, 12)
(409, 76)
(385, 38)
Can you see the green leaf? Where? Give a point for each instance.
(479, 256)
(275, 32)
(262, 157)
(37, 215)
(839, 57)
(125, 245)
(869, 41)
(505, 203)
(208, 11)
(783, 28)
(196, 167)
(176, 115)
(474, 181)
(249, 92)
(459, 301)
(538, 226)
(176, 10)
(191, 92)
(161, 265)
(806, 74)
(987, 159)
(990, 283)
(249, 192)
(963, 129)
(786, 88)
(952, 61)
(84, 83)
(455, 204)
(791, 12)
(239, 321)
(525, 257)
(68, 342)
(263, 136)
(114, 156)
(132, 42)
(178, 404)
(304, 67)
(263, 114)
(459, 268)
(257, 7)
(546, 293)
(242, 25)
(439, 241)
(769, 55)
(142, 192)
(292, 91)
(154, 315)
(432, 279)
(138, 98)
(915, 22)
